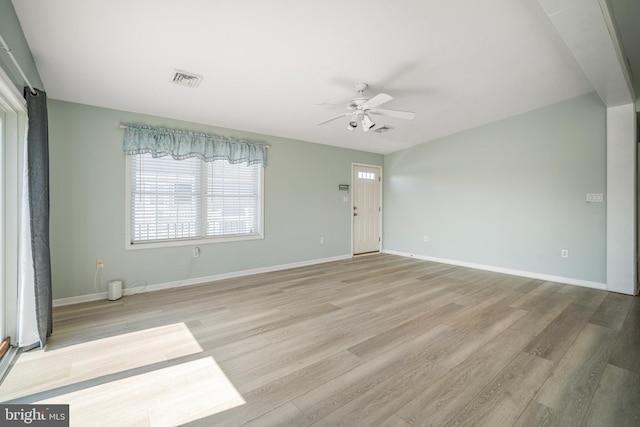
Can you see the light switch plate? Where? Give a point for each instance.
(595, 198)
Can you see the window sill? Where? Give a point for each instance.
(191, 242)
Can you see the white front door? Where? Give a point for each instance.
(367, 209)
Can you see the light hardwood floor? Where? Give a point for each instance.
(374, 340)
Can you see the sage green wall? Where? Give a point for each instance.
(302, 203)
(510, 194)
(13, 36)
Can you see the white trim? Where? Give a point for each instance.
(192, 242)
(528, 274)
(127, 203)
(622, 193)
(79, 299)
(11, 95)
(14, 108)
(5, 47)
(197, 280)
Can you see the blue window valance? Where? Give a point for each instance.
(180, 144)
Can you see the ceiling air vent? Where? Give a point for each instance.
(185, 78)
(383, 129)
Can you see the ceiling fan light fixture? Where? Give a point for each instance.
(367, 123)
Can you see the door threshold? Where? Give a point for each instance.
(7, 362)
(366, 253)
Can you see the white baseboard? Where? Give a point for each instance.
(81, 298)
(528, 274)
(196, 280)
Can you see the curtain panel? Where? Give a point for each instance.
(38, 189)
(180, 144)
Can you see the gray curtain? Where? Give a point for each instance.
(38, 177)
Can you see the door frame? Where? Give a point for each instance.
(14, 126)
(351, 201)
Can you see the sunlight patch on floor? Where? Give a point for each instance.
(38, 371)
(168, 396)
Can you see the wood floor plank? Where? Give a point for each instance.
(539, 315)
(612, 312)
(285, 415)
(539, 415)
(262, 400)
(419, 297)
(101, 357)
(542, 295)
(555, 339)
(394, 421)
(617, 400)
(501, 402)
(625, 352)
(572, 385)
(440, 402)
(396, 336)
(376, 340)
(285, 337)
(326, 398)
(493, 309)
(170, 396)
(257, 370)
(230, 334)
(381, 401)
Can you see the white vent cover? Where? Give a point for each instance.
(185, 78)
(383, 129)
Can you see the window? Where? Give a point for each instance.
(366, 175)
(179, 201)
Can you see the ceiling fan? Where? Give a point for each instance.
(360, 108)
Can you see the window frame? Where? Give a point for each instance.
(195, 241)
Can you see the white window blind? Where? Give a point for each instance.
(189, 199)
(232, 199)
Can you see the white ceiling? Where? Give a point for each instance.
(272, 67)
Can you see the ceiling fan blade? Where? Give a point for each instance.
(398, 114)
(335, 118)
(379, 99)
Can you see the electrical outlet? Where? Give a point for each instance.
(564, 253)
(322, 240)
(425, 238)
(99, 263)
(196, 252)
